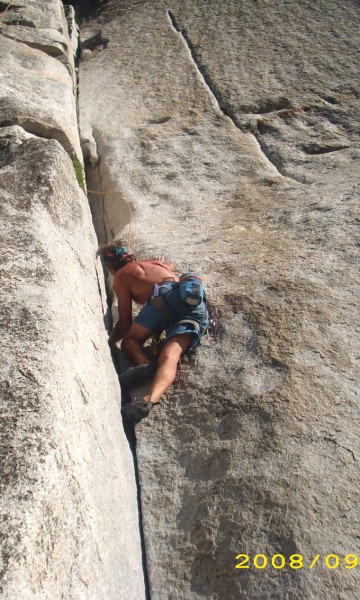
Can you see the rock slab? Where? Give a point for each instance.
(68, 505)
(232, 131)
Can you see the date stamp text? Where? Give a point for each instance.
(296, 561)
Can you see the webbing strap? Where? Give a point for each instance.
(161, 305)
(195, 323)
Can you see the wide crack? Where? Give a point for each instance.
(217, 98)
(128, 428)
(94, 175)
(212, 87)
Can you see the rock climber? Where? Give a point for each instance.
(153, 284)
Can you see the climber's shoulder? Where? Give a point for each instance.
(125, 277)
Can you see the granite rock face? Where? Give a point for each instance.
(46, 26)
(232, 131)
(69, 515)
(37, 94)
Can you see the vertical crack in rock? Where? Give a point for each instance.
(93, 172)
(69, 490)
(279, 169)
(94, 163)
(216, 96)
(218, 100)
(131, 437)
(129, 430)
(271, 362)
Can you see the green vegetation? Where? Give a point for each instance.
(79, 172)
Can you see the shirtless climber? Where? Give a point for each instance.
(185, 325)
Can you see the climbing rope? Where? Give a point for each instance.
(129, 207)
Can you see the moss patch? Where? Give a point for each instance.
(79, 172)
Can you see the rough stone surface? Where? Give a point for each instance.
(37, 94)
(73, 30)
(68, 504)
(68, 501)
(42, 25)
(232, 130)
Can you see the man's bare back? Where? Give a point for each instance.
(135, 282)
(139, 278)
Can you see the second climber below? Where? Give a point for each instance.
(153, 284)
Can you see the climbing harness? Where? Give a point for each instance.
(193, 290)
(157, 298)
(192, 322)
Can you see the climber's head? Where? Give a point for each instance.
(115, 255)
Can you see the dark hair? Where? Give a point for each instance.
(115, 254)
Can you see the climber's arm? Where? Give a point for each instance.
(123, 293)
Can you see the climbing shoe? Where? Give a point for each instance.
(133, 413)
(137, 376)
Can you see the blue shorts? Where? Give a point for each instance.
(170, 313)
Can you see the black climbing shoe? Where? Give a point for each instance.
(133, 413)
(137, 376)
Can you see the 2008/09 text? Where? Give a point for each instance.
(296, 561)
